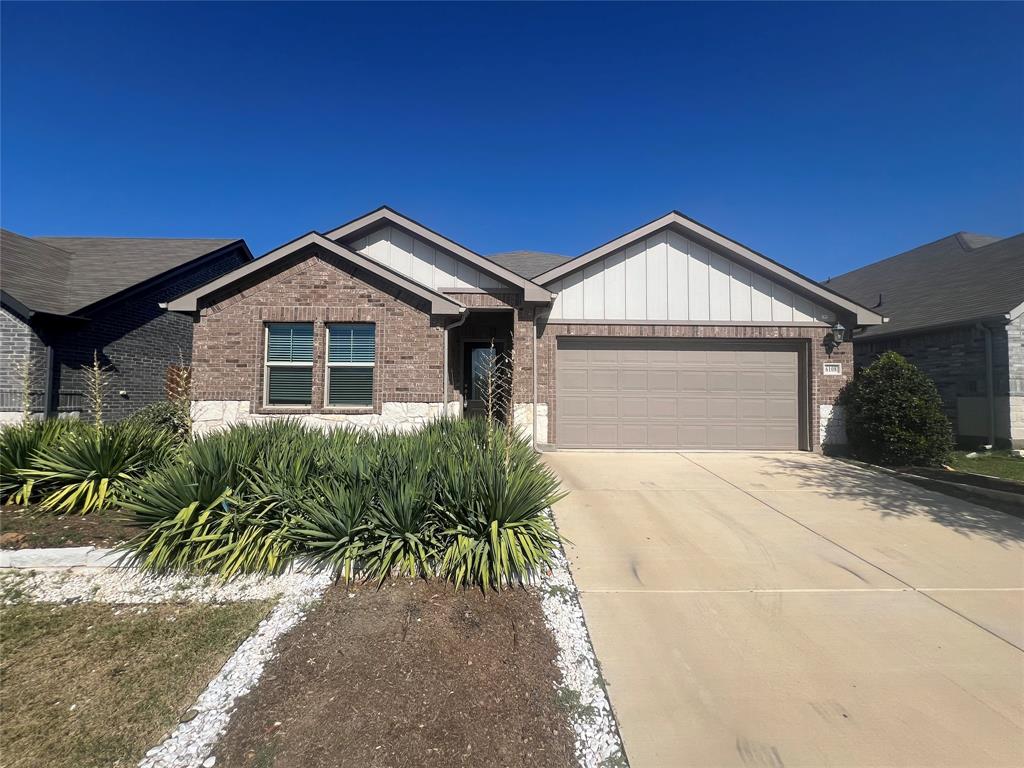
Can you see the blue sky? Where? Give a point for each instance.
(826, 136)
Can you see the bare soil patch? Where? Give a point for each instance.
(24, 528)
(97, 685)
(408, 675)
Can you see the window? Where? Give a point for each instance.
(289, 379)
(351, 351)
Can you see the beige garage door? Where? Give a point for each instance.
(677, 393)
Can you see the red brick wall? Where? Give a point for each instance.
(822, 389)
(318, 287)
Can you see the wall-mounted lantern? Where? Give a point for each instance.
(835, 337)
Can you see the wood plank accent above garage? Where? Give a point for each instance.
(668, 277)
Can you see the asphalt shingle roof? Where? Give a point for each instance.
(63, 275)
(528, 264)
(959, 279)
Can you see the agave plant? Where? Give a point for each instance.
(98, 468)
(493, 500)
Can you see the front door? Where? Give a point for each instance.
(480, 358)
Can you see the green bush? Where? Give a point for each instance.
(165, 416)
(457, 499)
(94, 468)
(894, 415)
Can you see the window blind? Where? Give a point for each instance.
(351, 352)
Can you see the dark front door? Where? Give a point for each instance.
(480, 358)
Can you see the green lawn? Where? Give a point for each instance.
(995, 463)
(97, 685)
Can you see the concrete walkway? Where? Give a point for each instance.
(791, 610)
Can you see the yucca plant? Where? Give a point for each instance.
(18, 444)
(402, 536)
(334, 523)
(98, 468)
(493, 499)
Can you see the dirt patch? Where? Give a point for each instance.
(22, 528)
(408, 675)
(97, 685)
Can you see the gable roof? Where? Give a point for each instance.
(959, 279)
(439, 303)
(721, 244)
(66, 275)
(385, 215)
(529, 264)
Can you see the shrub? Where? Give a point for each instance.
(894, 415)
(97, 467)
(164, 416)
(18, 445)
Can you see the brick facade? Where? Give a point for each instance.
(316, 286)
(134, 339)
(22, 363)
(954, 358)
(822, 390)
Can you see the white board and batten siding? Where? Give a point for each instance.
(417, 259)
(670, 278)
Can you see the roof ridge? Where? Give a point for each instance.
(954, 236)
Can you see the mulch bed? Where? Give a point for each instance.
(23, 528)
(408, 675)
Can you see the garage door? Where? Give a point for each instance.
(675, 393)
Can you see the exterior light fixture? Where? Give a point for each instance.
(835, 337)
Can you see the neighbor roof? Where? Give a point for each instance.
(722, 244)
(529, 264)
(439, 303)
(959, 279)
(65, 275)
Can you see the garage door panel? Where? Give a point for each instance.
(675, 393)
(692, 381)
(604, 379)
(661, 381)
(633, 379)
(722, 381)
(604, 407)
(663, 408)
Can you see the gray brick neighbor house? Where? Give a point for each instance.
(669, 336)
(955, 309)
(64, 298)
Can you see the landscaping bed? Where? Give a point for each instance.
(98, 684)
(413, 673)
(26, 528)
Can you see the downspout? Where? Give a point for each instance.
(462, 318)
(989, 384)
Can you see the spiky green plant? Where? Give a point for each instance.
(493, 497)
(18, 444)
(402, 537)
(98, 468)
(334, 523)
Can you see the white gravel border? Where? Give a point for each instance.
(191, 743)
(598, 744)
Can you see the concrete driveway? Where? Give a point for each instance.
(791, 610)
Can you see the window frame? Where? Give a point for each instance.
(267, 365)
(328, 365)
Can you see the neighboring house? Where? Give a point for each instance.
(955, 309)
(670, 336)
(64, 298)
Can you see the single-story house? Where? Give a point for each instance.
(669, 336)
(64, 298)
(956, 311)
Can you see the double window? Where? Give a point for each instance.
(351, 352)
